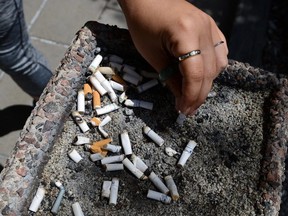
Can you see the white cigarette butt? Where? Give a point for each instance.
(114, 167)
(75, 156)
(77, 209)
(130, 166)
(158, 183)
(106, 186)
(40, 193)
(107, 109)
(114, 191)
(95, 63)
(172, 187)
(126, 144)
(153, 136)
(112, 159)
(81, 102)
(159, 196)
(186, 153)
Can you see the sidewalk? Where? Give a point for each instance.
(52, 25)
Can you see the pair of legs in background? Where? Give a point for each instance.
(18, 58)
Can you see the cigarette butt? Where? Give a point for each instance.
(114, 167)
(106, 186)
(87, 89)
(102, 142)
(77, 209)
(107, 70)
(95, 121)
(96, 99)
(112, 159)
(126, 144)
(119, 79)
(81, 102)
(186, 153)
(80, 121)
(96, 157)
(159, 196)
(112, 148)
(37, 199)
(80, 140)
(116, 58)
(114, 191)
(130, 166)
(172, 187)
(95, 63)
(158, 183)
(75, 156)
(153, 136)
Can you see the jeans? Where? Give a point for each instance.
(18, 58)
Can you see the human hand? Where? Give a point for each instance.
(164, 30)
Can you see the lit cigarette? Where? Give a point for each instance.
(96, 147)
(75, 156)
(81, 102)
(95, 121)
(96, 157)
(180, 119)
(131, 79)
(116, 66)
(139, 163)
(119, 79)
(117, 86)
(126, 144)
(186, 153)
(159, 196)
(106, 187)
(158, 183)
(112, 159)
(153, 136)
(106, 85)
(80, 121)
(102, 124)
(107, 109)
(127, 69)
(87, 91)
(77, 209)
(172, 187)
(150, 75)
(114, 167)
(95, 63)
(139, 103)
(96, 84)
(80, 140)
(122, 97)
(106, 70)
(114, 191)
(116, 58)
(130, 166)
(112, 148)
(96, 99)
(59, 198)
(40, 193)
(148, 85)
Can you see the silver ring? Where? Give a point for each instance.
(219, 43)
(189, 54)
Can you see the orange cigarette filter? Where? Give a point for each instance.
(95, 121)
(119, 79)
(87, 89)
(96, 147)
(96, 100)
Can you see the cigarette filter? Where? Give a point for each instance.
(96, 157)
(153, 136)
(80, 121)
(106, 85)
(119, 79)
(59, 198)
(95, 121)
(117, 86)
(158, 183)
(116, 58)
(122, 98)
(112, 159)
(105, 121)
(130, 166)
(159, 196)
(96, 147)
(112, 148)
(171, 152)
(127, 69)
(75, 156)
(96, 99)
(95, 63)
(77, 209)
(81, 102)
(126, 144)
(186, 153)
(131, 79)
(172, 187)
(114, 167)
(139, 163)
(40, 193)
(114, 191)
(148, 85)
(180, 119)
(106, 186)
(138, 103)
(96, 84)
(116, 66)
(80, 140)
(107, 70)
(107, 109)
(87, 90)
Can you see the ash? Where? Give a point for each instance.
(220, 178)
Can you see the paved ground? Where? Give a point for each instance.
(52, 25)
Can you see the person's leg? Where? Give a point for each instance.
(18, 57)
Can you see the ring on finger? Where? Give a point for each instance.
(219, 43)
(188, 55)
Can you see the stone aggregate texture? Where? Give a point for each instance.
(237, 167)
